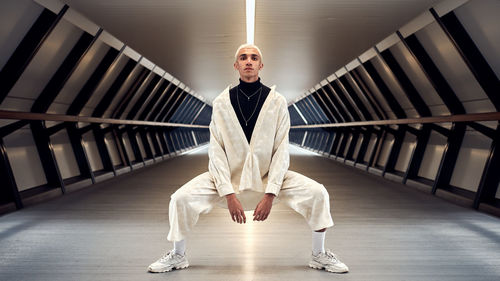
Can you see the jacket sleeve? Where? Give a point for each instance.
(280, 160)
(218, 165)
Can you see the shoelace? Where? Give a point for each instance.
(167, 256)
(330, 254)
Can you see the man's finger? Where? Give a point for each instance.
(244, 217)
(256, 215)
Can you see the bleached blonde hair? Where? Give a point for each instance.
(246, 45)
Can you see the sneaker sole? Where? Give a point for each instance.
(319, 266)
(181, 266)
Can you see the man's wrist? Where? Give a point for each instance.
(230, 196)
(269, 196)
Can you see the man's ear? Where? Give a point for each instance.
(261, 66)
(235, 65)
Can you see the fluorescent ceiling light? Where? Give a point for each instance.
(250, 21)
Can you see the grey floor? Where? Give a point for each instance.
(384, 231)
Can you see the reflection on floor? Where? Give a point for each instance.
(384, 231)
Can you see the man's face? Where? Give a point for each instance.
(248, 63)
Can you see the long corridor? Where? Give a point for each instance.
(384, 231)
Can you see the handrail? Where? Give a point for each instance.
(18, 115)
(489, 116)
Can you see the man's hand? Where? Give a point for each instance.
(235, 209)
(263, 208)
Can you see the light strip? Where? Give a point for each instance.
(250, 21)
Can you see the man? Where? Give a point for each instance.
(248, 168)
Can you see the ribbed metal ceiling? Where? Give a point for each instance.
(303, 42)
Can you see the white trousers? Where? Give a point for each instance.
(199, 196)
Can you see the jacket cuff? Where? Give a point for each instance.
(225, 189)
(273, 188)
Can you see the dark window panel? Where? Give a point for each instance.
(113, 90)
(305, 112)
(79, 151)
(100, 141)
(145, 142)
(343, 99)
(88, 89)
(450, 156)
(384, 90)
(183, 107)
(8, 189)
(154, 100)
(319, 109)
(405, 83)
(433, 74)
(153, 84)
(332, 93)
(368, 94)
(319, 100)
(174, 106)
(333, 107)
(125, 100)
(295, 118)
(399, 136)
(190, 116)
(165, 100)
(47, 156)
(56, 83)
(490, 179)
(471, 55)
(418, 153)
(357, 101)
(27, 49)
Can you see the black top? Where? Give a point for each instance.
(248, 98)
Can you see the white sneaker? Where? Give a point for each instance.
(329, 262)
(168, 262)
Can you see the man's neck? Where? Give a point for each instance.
(250, 79)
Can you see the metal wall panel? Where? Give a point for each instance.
(81, 74)
(394, 87)
(376, 92)
(150, 79)
(65, 159)
(432, 156)
(24, 160)
(141, 146)
(16, 18)
(104, 86)
(471, 161)
(128, 148)
(124, 89)
(371, 148)
(113, 151)
(385, 150)
(451, 65)
(45, 63)
(92, 152)
(479, 19)
(405, 153)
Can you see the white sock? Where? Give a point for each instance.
(180, 247)
(318, 242)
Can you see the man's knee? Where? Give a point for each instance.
(180, 197)
(319, 192)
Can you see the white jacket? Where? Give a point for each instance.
(260, 166)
